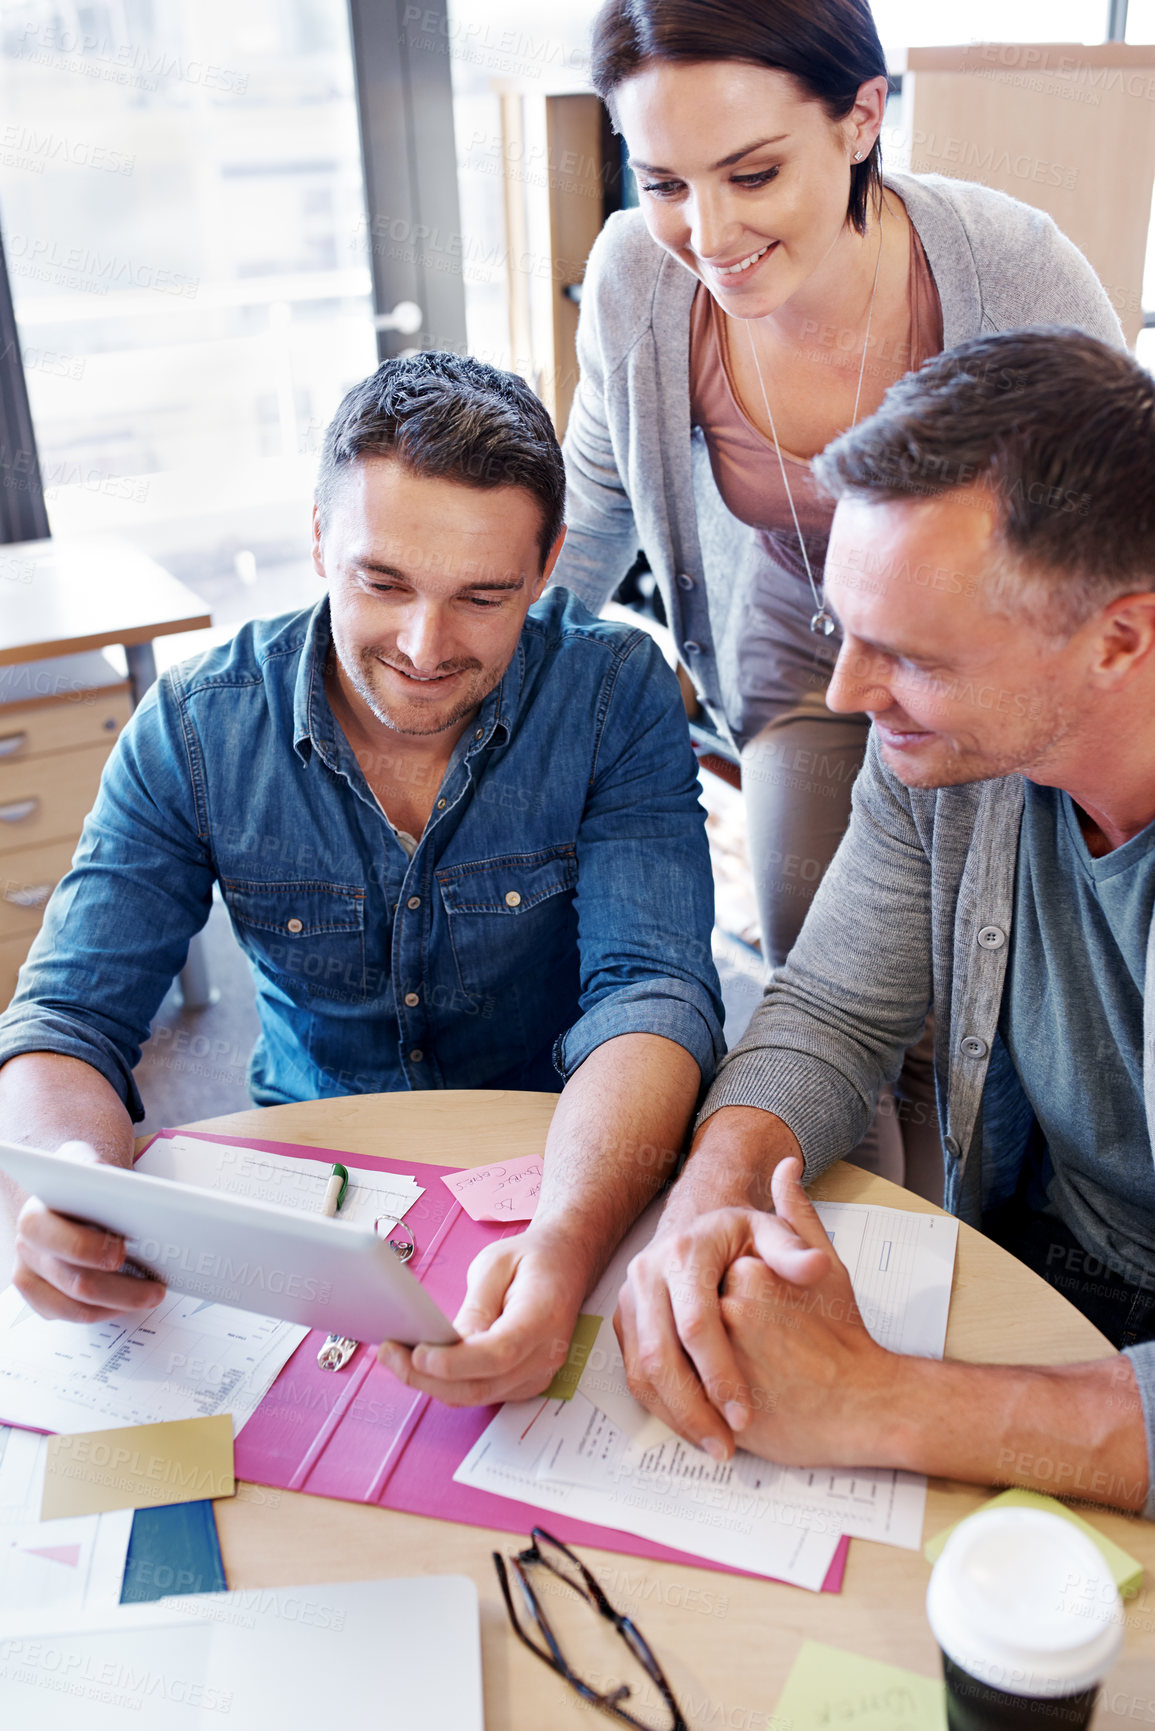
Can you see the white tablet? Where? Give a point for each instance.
(257, 1256)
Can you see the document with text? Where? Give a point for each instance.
(291, 1181)
(626, 1468)
(188, 1358)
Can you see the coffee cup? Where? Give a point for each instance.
(1029, 1621)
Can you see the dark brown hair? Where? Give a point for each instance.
(451, 416)
(1056, 426)
(829, 47)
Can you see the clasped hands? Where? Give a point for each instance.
(740, 1327)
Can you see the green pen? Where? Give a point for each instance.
(335, 1191)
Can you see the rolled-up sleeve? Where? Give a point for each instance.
(1143, 1364)
(117, 929)
(645, 891)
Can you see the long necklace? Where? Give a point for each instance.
(821, 622)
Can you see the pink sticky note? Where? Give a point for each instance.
(507, 1190)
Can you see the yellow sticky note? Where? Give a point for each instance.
(142, 1466)
(1126, 1570)
(828, 1687)
(564, 1384)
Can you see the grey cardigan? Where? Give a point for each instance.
(638, 477)
(915, 909)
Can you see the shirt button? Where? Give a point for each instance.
(413, 902)
(480, 734)
(973, 1047)
(416, 1055)
(412, 999)
(992, 938)
(441, 805)
(685, 581)
(295, 926)
(512, 899)
(692, 648)
(950, 1143)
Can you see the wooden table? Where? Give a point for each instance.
(62, 597)
(727, 1641)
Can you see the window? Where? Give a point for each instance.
(1141, 21)
(514, 48)
(183, 213)
(906, 24)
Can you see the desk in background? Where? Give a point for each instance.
(62, 704)
(727, 1641)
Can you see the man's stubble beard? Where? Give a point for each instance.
(466, 705)
(960, 767)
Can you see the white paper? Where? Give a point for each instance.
(54, 1567)
(900, 1264)
(188, 1358)
(588, 1449)
(625, 1468)
(285, 1179)
(290, 1658)
(901, 1267)
(722, 1521)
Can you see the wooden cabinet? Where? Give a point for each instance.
(59, 719)
(1065, 126)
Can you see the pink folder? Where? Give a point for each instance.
(348, 1434)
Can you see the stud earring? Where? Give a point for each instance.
(857, 154)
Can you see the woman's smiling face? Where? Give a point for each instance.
(741, 174)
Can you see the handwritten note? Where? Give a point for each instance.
(507, 1190)
(830, 1687)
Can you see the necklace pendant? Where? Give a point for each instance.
(822, 624)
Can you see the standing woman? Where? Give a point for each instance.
(772, 285)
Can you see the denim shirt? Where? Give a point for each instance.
(560, 895)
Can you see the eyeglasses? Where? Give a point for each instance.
(550, 1554)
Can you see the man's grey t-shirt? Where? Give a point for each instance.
(1072, 1021)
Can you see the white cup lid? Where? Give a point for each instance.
(1024, 1601)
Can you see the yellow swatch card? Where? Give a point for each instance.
(565, 1380)
(828, 1687)
(1126, 1570)
(142, 1466)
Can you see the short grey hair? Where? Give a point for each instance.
(1056, 428)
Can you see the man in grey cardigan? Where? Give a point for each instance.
(992, 564)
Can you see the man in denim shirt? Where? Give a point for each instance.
(457, 830)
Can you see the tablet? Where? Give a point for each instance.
(257, 1256)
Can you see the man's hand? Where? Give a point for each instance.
(823, 1393)
(630, 1101)
(819, 1390)
(680, 1359)
(66, 1271)
(517, 1320)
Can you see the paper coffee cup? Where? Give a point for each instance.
(1024, 1608)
